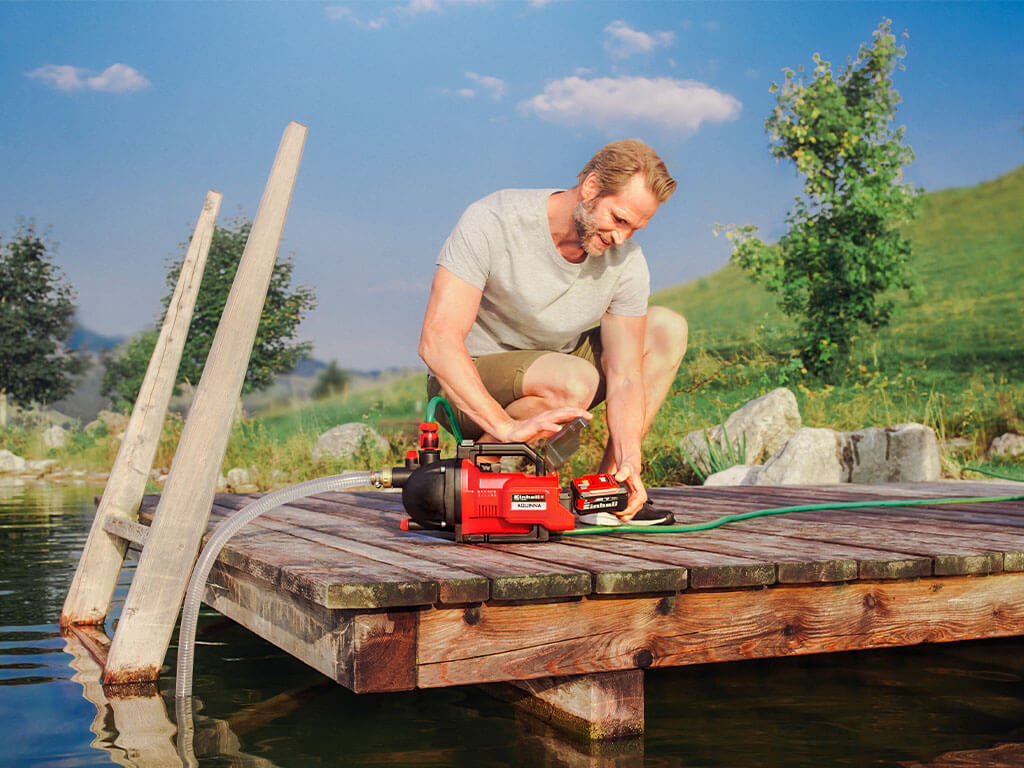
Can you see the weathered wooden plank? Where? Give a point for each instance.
(598, 635)
(454, 585)
(612, 574)
(330, 577)
(871, 563)
(706, 570)
(950, 556)
(365, 652)
(99, 565)
(512, 576)
(161, 578)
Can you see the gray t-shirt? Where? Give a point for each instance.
(532, 297)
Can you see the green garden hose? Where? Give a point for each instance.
(454, 425)
(693, 527)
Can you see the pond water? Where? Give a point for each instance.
(940, 705)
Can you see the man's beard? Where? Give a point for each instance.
(586, 227)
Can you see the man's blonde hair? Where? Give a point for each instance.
(616, 163)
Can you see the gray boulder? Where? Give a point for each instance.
(906, 453)
(11, 463)
(342, 441)
(55, 437)
(240, 480)
(739, 474)
(1008, 444)
(116, 423)
(763, 426)
(811, 457)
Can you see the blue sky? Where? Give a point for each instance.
(118, 117)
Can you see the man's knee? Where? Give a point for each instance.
(667, 334)
(562, 380)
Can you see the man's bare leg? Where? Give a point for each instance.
(665, 340)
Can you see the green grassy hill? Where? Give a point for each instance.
(969, 255)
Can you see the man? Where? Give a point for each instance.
(538, 312)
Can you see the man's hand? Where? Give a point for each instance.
(635, 486)
(539, 426)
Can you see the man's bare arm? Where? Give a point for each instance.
(622, 339)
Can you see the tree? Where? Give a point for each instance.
(274, 350)
(843, 251)
(332, 380)
(124, 371)
(36, 320)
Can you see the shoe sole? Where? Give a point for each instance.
(609, 520)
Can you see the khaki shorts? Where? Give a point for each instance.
(502, 374)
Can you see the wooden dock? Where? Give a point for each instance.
(333, 581)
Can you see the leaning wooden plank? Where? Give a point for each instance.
(154, 600)
(92, 587)
(598, 635)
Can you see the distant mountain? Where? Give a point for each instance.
(82, 340)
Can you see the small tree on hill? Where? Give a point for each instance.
(275, 349)
(332, 380)
(36, 320)
(843, 250)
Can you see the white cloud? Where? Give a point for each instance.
(494, 85)
(624, 41)
(466, 93)
(393, 11)
(682, 105)
(117, 78)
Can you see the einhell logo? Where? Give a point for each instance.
(529, 501)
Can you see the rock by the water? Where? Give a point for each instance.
(116, 423)
(1008, 444)
(762, 427)
(739, 474)
(342, 441)
(11, 463)
(55, 437)
(905, 453)
(810, 457)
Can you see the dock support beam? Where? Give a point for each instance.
(597, 707)
(154, 600)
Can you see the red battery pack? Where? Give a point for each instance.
(592, 493)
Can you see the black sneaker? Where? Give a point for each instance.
(647, 515)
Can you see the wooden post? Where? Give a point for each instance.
(147, 621)
(595, 707)
(93, 586)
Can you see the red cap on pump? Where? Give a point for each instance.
(428, 435)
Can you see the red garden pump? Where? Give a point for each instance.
(468, 496)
